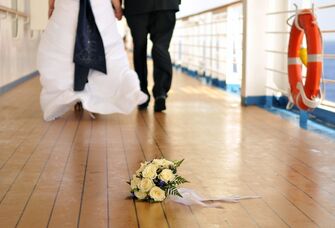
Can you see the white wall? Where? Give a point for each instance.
(17, 54)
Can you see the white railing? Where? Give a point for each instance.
(210, 43)
(6, 11)
(18, 43)
(18, 18)
(276, 58)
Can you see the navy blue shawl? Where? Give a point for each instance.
(89, 50)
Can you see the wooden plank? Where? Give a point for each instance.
(94, 204)
(16, 126)
(40, 204)
(307, 173)
(149, 215)
(17, 103)
(66, 208)
(121, 211)
(9, 145)
(16, 109)
(14, 165)
(14, 201)
(301, 196)
(177, 215)
(310, 148)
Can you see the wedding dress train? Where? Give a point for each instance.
(117, 91)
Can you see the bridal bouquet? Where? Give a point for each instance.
(155, 180)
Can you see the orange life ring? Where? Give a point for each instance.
(306, 96)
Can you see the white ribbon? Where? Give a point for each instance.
(190, 197)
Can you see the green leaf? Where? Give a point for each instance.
(172, 190)
(180, 180)
(178, 163)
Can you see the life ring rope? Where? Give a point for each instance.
(311, 103)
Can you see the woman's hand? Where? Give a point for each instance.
(118, 13)
(117, 9)
(51, 10)
(51, 7)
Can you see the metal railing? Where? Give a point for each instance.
(204, 43)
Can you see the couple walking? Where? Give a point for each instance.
(82, 59)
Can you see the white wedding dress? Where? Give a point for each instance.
(116, 92)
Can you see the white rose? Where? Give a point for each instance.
(158, 162)
(167, 163)
(162, 162)
(143, 165)
(157, 194)
(140, 195)
(150, 171)
(146, 184)
(167, 175)
(135, 182)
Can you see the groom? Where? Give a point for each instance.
(157, 18)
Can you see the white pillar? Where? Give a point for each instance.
(253, 89)
(233, 57)
(39, 14)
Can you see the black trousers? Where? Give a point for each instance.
(160, 26)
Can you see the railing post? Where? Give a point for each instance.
(233, 55)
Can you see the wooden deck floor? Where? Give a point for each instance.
(73, 171)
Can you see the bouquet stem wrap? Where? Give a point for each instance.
(190, 197)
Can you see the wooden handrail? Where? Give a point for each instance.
(13, 12)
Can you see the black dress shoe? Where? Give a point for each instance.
(144, 106)
(159, 105)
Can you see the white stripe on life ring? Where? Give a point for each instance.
(315, 58)
(294, 61)
(318, 58)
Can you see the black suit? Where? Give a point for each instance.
(157, 18)
(145, 6)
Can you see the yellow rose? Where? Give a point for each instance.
(167, 175)
(157, 194)
(135, 182)
(145, 185)
(150, 171)
(140, 195)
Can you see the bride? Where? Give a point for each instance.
(82, 60)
